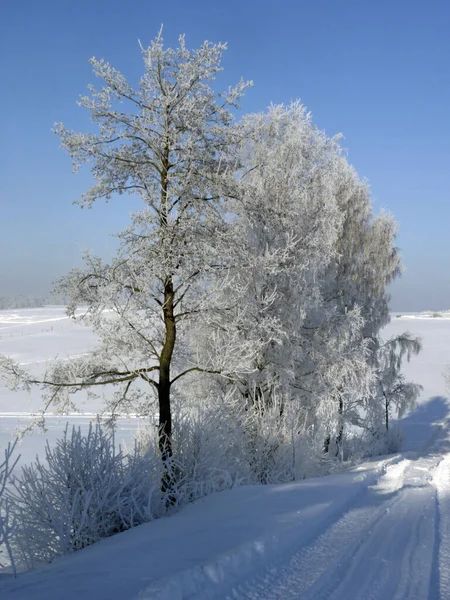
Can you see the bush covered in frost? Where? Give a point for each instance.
(7, 522)
(82, 492)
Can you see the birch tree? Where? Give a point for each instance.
(290, 221)
(394, 390)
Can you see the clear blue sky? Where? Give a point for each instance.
(377, 71)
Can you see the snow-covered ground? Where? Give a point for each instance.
(444, 314)
(376, 531)
(34, 337)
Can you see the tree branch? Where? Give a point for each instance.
(199, 369)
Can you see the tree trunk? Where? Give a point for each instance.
(165, 360)
(340, 435)
(165, 413)
(386, 414)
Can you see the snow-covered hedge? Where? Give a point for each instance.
(360, 445)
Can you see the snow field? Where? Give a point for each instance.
(377, 531)
(34, 337)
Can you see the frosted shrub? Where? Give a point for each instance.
(374, 442)
(221, 442)
(280, 446)
(7, 523)
(207, 447)
(267, 451)
(84, 491)
(394, 439)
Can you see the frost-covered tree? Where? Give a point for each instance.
(392, 386)
(365, 262)
(367, 259)
(256, 266)
(283, 211)
(368, 262)
(289, 221)
(317, 295)
(169, 141)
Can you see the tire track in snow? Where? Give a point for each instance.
(415, 583)
(395, 560)
(383, 547)
(441, 480)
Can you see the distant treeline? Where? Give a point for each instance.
(24, 301)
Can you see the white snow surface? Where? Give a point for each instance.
(34, 337)
(379, 530)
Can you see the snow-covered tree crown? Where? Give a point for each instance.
(172, 126)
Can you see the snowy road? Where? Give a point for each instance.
(391, 543)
